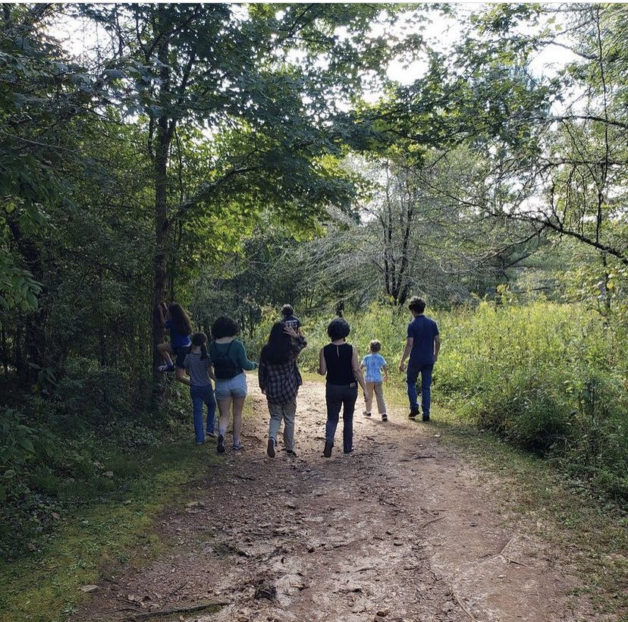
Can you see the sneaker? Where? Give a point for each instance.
(165, 368)
(210, 434)
(220, 447)
(291, 453)
(270, 450)
(349, 451)
(384, 417)
(327, 450)
(426, 417)
(367, 414)
(238, 446)
(413, 413)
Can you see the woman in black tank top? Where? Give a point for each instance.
(339, 361)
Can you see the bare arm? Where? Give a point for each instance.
(322, 365)
(357, 372)
(406, 353)
(436, 347)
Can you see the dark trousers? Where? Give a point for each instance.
(426, 381)
(340, 396)
(203, 396)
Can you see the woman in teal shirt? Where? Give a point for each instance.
(229, 360)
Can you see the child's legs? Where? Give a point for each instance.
(210, 402)
(276, 414)
(289, 410)
(165, 350)
(368, 396)
(196, 394)
(379, 394)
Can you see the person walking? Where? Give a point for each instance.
(374, 364)
(338, 360)
(279, 380)
(288, 318)
(422, 346)
(198, 365)
(229, 360)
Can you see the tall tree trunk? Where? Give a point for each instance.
(160, 261)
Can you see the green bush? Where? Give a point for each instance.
(547, 377)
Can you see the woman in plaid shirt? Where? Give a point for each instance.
(279, 380)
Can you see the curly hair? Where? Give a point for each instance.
(224, 326)
(338, 329)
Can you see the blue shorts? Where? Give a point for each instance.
(231, 387)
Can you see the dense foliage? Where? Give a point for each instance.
(236, 157)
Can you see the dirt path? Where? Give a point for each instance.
(402, 529)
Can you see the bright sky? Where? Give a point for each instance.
(80, 37)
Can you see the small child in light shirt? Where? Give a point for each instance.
(374, 363)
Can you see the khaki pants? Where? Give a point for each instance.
(378, 388)
(283, 412)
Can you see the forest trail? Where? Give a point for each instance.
(402, 529)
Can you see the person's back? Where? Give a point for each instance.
(373, 364)
(423, 331)
(339, 364)
(198, 368)
(288, 318)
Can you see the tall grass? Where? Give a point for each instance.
(547, 377)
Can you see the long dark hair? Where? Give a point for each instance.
(180, 320)
(200, 339)
(279, 346)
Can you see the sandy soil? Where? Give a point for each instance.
(402, 529)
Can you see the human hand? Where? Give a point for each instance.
(402, 366)
(290, 331)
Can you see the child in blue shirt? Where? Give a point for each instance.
(374, 363)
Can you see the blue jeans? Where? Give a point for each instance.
(203, 395)
(339, 396)
(425, 370)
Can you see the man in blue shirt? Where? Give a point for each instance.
(422, 346)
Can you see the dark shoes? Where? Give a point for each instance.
(426, 417)
(384, 417)
(291, 453)
(367, 414)
(220, 447)
(270, 450)
(327, 450)
(413, 413)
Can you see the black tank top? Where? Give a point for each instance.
(338, 360)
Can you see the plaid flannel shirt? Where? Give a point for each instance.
(281, 382)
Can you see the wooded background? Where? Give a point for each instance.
(238, 157)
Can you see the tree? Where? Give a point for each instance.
(229, 69)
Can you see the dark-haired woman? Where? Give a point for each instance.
(279, 380)
(175, 319)
(198, 365)
(229, 359)
(339, 360)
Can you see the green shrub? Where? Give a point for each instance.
(547, 377)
